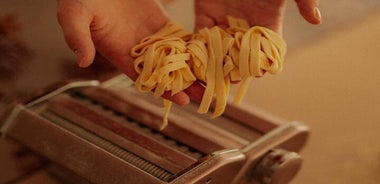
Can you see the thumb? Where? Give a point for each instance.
(75, 21)
(309, 10)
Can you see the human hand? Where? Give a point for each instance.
(112, 28)
(266, 13)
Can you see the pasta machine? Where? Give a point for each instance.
(106, 132)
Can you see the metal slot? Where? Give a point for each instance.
(224, 122)
(241, 117)
(242, 122)
(166, 153)
(138, 126)
(109, 147)
(184, 127)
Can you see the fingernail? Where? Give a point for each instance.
(317, 14)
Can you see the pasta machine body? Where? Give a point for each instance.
(106, 132)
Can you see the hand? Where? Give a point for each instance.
(112, 28)
(266, 13)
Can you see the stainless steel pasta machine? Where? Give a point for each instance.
(106, 132)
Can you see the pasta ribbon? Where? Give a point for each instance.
(172, 59)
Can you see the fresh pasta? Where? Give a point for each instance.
(173, 59)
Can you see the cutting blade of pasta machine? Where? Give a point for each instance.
(109, 133)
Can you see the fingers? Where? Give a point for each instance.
(309, 10)
(203, 21)
(75, 21)
(195, 91)
(205, 11)
(180, 98)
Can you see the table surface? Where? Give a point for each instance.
(332, 84)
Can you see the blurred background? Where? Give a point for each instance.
(330, 82)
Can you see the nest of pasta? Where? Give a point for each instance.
(172, 59)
